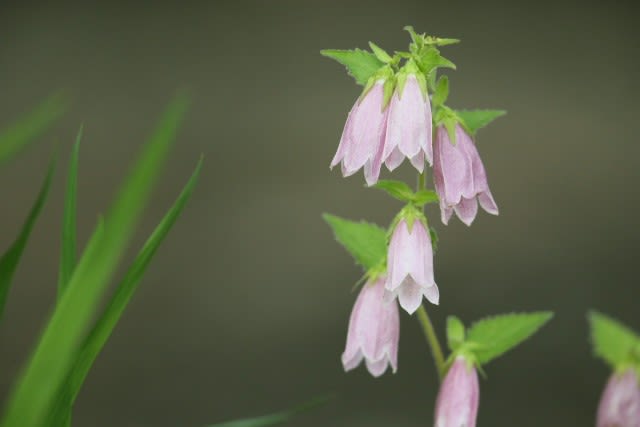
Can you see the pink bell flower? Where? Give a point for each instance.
(620, 402)
(459, 396)
(460, 178)
(408, 127)
(410, 266)
(374, 331)
(362, 140)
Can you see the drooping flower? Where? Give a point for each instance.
(459, 396)
(620, 402)
(374, 331)
(408, 127)
(460, 178)
(362, 140)
(410, 265)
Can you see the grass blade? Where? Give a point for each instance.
(58, 345)
(277, 418)
(20, 133)
(68, 251)
(125, 290)
(11, 258)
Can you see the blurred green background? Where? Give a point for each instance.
(246, 305)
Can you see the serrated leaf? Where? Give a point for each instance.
(277, 418)
(366, 242)
(396, 189)
(473, 120)
(10, 259)
(360, 64)
(101, 332)
(68, 251)
(495, 335)
(23, 131)
(423, 197)
(612, 341)
(442, 91)
(55, 352)
(455, 333)
(380, 53)
(431, 59)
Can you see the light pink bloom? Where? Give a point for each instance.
(620, 402)
(362, 140)
(408, 127)
(374, 331)
(460, 177)
(410, 266)
(459, 396)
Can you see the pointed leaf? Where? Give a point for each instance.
(56, 350)
(455, 332)
(380, 53)
(360, 64)
(442, 91)
(19, 134)
(431, 59)
(495, 335)
(9, 261)
(612, 341)
(68, 251)
(367, 243)
(397, 189)
(423, 197)
(101, 332)
(277, 418)
(473, 120)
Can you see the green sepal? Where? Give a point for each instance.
(473, 120)
(614, 342)
(360, 64)
(380, 53)
(430, 59)
(389, 86)
(438, 41)
(448, 118)
(410, 214)
(441, 93)
(491, 337)
(366, 242)
(433, 234)
(455, 333)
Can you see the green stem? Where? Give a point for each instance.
(432, 339)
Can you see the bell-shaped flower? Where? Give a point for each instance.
(408, 127)
(459, 396)
(620, 402)
(460, 178)
(410, 265)
(374, 331)
(362, 140)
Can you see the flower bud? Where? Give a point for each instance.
(374, 331)
(620, 402)
(459, 396)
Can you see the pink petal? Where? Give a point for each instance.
(344, 139)
(467, 210)
(394, 159)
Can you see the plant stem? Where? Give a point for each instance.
(432, 339)
(423, 317)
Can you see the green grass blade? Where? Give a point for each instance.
(55, 352)
(20, 133)
(68, 251)
(11, 258)
(125, 290)
(277, 418)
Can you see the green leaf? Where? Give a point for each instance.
(423, 197)
(57, 348)
(473, 120)
(442, 91)
(277, 418)
(68, 251)
(19, 134)
(431, 59)
(9, 261)
(101, 332)
(367, 243)
(380, 53)
(360, 64)
(455, 333)
(612, 341)
(493, 336)
(396, 189)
